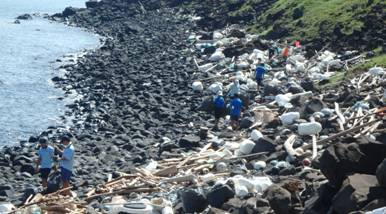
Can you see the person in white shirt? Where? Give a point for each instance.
(66, 161)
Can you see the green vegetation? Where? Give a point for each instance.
(310, 18)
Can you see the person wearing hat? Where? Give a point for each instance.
(45, 161)
(219, 107)
(66, 161)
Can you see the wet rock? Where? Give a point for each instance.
(192, 201)
(219, 194)
(354, 193)
(189, 141)
(17, 22)
(7, 191)
(24, 17)
(381, 173)
(29, 168)
(279, 199)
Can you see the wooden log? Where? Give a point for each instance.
(179, 179)
(169, 171)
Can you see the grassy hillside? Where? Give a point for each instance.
(354, 23)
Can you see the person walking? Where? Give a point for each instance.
(45, 161)
(236, 106)
(219, 108)
(66, 161)
(259, 73)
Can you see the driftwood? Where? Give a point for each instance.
(342, 133)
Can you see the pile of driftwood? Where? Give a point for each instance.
(54, 203)
(168, 174)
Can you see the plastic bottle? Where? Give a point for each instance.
(35, 209)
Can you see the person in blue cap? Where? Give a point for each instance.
(259, 73)
(66, 161)
(236, 106)
(219, 107)
(45, 161)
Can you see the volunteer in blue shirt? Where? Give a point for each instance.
(45, 161)
(236, 106)
(66, 161)
(259, 74)
(219, 108)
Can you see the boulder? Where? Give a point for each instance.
(236, 33)
(279, 199)
(7, 191)
(314, 105)
(246, 122)
(29, 168)
(340, 160)
(192, 201)
(246, 146)
(219, 194)
(69, 11)
(263, 145)
(321, 201)
(189, 141)
(381, 173)
(91, 3)
(354, 193)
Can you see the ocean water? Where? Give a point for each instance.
(28, 99)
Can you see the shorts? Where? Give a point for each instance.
(65, 174)
(219, 112)
(259, 80)
(44, 173)
(235, 117)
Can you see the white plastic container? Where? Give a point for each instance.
(197, 86)
(256, 135)
(311, 128)
(246, 146)
(289, 118)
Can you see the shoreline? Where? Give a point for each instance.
(20, 163)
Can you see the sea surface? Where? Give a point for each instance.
(28, 99)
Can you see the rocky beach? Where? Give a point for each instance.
(135, 104)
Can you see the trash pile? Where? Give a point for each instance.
(298, 149)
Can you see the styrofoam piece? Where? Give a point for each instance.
(197, 86)
(152, 165)
(289, 118)
(251, 84)
(167, 210)
(241, 191)
(215, 87)
(259, 165)
(256, 135)
(376, 71)
(310, 128)
(217, 56)
(217, 35)
(282, 99)
(205, 67)
(6, 207)
(246, 146)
